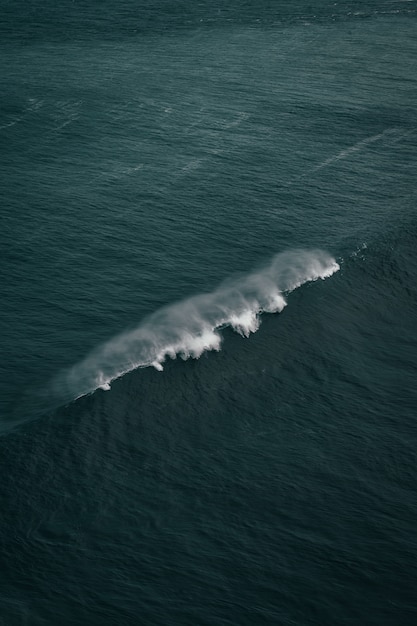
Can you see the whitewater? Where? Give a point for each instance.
(191, 327)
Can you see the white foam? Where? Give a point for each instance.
(189, 328)
(102, 383)
(189, 346)
(245, 323)
(276, 303)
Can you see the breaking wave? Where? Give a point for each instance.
(192, 326)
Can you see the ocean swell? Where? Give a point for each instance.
(193, 326)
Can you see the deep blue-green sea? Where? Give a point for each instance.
(208, 313)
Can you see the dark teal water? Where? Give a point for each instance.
(225, 192)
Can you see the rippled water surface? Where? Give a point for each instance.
(208, 315)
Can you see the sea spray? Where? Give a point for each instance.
(193, 326)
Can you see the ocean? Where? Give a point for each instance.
(208, 313)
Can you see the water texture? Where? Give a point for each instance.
(208, 315)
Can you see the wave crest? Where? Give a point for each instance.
(192, 326)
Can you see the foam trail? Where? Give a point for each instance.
(356, 148)
(191, 327)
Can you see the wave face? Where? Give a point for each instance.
(191, 327)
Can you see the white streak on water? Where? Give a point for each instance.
(355, 148)
(10, 124)
(191, 327)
